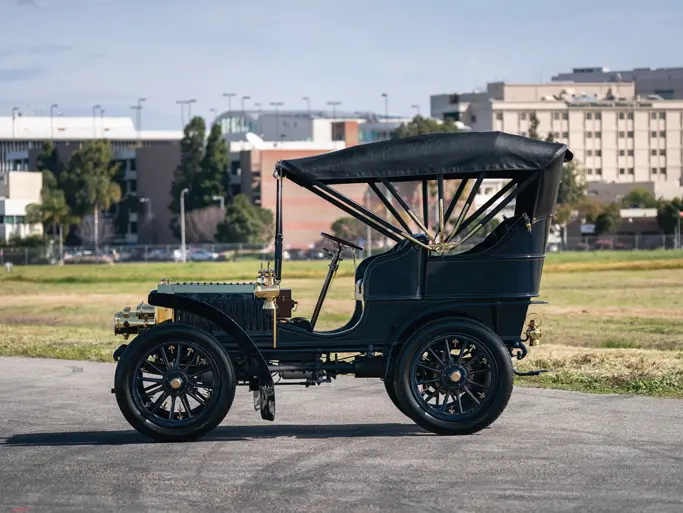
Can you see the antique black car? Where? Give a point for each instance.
(438, 321)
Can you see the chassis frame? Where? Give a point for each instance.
(472, 303)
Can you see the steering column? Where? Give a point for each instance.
(339, 245)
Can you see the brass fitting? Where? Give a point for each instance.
(128, 322)
(534, 333)
(267, 288)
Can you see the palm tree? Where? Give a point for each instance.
(89, 178)
(102, 192)
(53, 211)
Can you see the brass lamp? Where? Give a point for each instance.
(268, 289)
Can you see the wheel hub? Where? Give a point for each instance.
(175, 383)
(453, 376)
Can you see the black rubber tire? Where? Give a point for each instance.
(209, 419)
(390, 387)
(502, 390)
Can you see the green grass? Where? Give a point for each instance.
(624, 371)
(614, 322)
(246, 269)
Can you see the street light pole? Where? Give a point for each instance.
(102, 121)
(182, 223)
(15, 112)
(277, 110)
(52, 120)
(259, 120)
(334, 108)
(386, 106)
(417, 109)
(308, 104)
(244, 115)
(138, 115)
(182, 112)
(182, 103)
(94, 117)
(229, 96)
(215, 115)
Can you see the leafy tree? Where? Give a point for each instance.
(533, 126)
(245, 222)
(49, 160)
(639, 198)
(606, 221)
(201, 224)
(349, 228)
(572, 190)
(267, 220)
(202, 169)
(419, 126)
(588, 210)
(128, 205)
(215, 164)
(17, 241)
(89, 181)
(604, 217)
(53, 211)
(667, 214)
(189, 168)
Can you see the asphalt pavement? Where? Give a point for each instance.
(64, 446)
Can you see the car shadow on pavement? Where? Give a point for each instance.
(221, 433)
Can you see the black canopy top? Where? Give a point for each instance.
(425, 157)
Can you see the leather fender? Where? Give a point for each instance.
(213, 314)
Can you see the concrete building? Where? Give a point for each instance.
(665, 83)
(147, 160)
(296, 125)
(305, 214)
(615, 135)
(18, 189)
(145, 172)
(19, 134)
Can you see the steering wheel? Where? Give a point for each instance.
(337, 240)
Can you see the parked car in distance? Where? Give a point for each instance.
(315, 254)
(297, 254)
(202, 255)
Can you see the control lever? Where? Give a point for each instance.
(334, 266)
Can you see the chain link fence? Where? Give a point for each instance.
(618, 242)
(50, 255)
(133, 253)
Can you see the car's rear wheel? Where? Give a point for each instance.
(174, 383)
(454, 377)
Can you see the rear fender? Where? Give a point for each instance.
(436, 314)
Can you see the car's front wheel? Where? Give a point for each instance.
(174, 383)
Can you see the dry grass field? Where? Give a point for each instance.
(614, 322)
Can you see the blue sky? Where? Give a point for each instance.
(79, 53)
